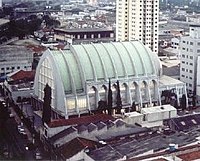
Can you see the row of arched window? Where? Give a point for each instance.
(130, 92)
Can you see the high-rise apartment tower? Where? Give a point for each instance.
(138, 20)
(190, 61)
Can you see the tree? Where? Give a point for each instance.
(183, 102)
(46, 114)
(102, 105)
(4, 114)
(109, 107)
(133, 107)
(119, 100)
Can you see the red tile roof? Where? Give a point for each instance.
(21, 75)
(190, 156)
(37, 48)
(159, 159)
(76, 145)
(80, 120)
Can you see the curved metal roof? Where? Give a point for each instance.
(94, 62)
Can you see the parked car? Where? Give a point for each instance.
(21, 129)
(38, 155)
(11, 115)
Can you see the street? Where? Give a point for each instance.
(14, 146)
(16, 140)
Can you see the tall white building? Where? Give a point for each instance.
(190, 53)
(138, 20)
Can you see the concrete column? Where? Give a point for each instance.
(177, 93)
(129, 95)
(159, 96)
(140, 96)
(97, 97)
(88, 103)
(149, 92)
(185, 90)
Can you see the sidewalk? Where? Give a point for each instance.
(18, 120)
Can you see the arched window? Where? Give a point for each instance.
(124, 93)
(103, 93)
(114, 94)
(134, 91)
(144, 91)
(152, 87)
(93, 97)
(46, 77)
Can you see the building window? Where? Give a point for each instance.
(183, 69)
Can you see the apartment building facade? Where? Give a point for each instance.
(190, 53)
(138, 20)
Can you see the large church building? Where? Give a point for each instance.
(79, 77)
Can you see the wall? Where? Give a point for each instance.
(66, 139)
(80, 156)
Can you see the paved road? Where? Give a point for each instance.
(15, 143)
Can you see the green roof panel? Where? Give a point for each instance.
(74, 70)
(93, 55)
(118, 64)
(63, 69)
(106, 60)
(85, 61)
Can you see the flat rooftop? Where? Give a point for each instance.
(135, 147)
(75, 30)
(167, 81)
(158, 109)
(3, 21)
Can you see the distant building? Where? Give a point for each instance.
(4, 25)
(13, 58)
(92, 2)
(84, 35)
(19, 84)
(193, 18)
(138, 20)
(79, 77)
(190, 54)
(175, 44)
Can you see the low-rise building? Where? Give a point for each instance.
(19, 86)
(84, 35)
(14, 58)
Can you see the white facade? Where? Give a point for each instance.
(133, 117)
(138, 20)
(79, 77)
(159, 113)
(92, 2)
(190, 50)
(14, 58)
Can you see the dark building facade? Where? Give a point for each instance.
(84, 35)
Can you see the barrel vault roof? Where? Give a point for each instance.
(100, 61)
